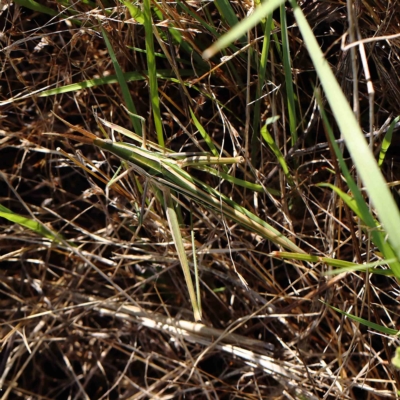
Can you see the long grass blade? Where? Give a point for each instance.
(241, 29)
(387, 140)
(151, 65)
(204, 134)
(262, 68)
(228, 14)
(111, 79)
(35, 6)
(278, 154)
(369, 324)
(178, 241)
(31, 224)
(122, 82)
(287, 65)
(341, 265)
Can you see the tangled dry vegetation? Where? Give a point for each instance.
(108, 317)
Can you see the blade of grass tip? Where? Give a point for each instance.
(122, 82)
(31, 224)
(278, 154)
(378, 237)
(311, 258)
(116, 177)
(343, 266)
(356, 267)
(262, 68)
(350, 201)
(387, 140)
(287, 65)
(204, 134)
(177, 238)
(372, 325)
(241, 29)
(151, 65)
(276, 41)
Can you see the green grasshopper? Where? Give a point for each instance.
(165, 171)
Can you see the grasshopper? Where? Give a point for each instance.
(165, 170)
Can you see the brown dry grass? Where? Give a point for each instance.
(66, 332)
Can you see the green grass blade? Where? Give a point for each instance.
(108, 80)
(228, 14)
(350, 202)
(204, 134)
(35, 6)
(186, 45)
(278, 154)
(205, 25)
(387, 140)
(313, 259)
(177, 238)
(342, 265)
(31, 224)
(241, 29)
(370, 267)
(371, 325)
(151, 65)
(262, 68)
(124, 87)
(287, 65)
